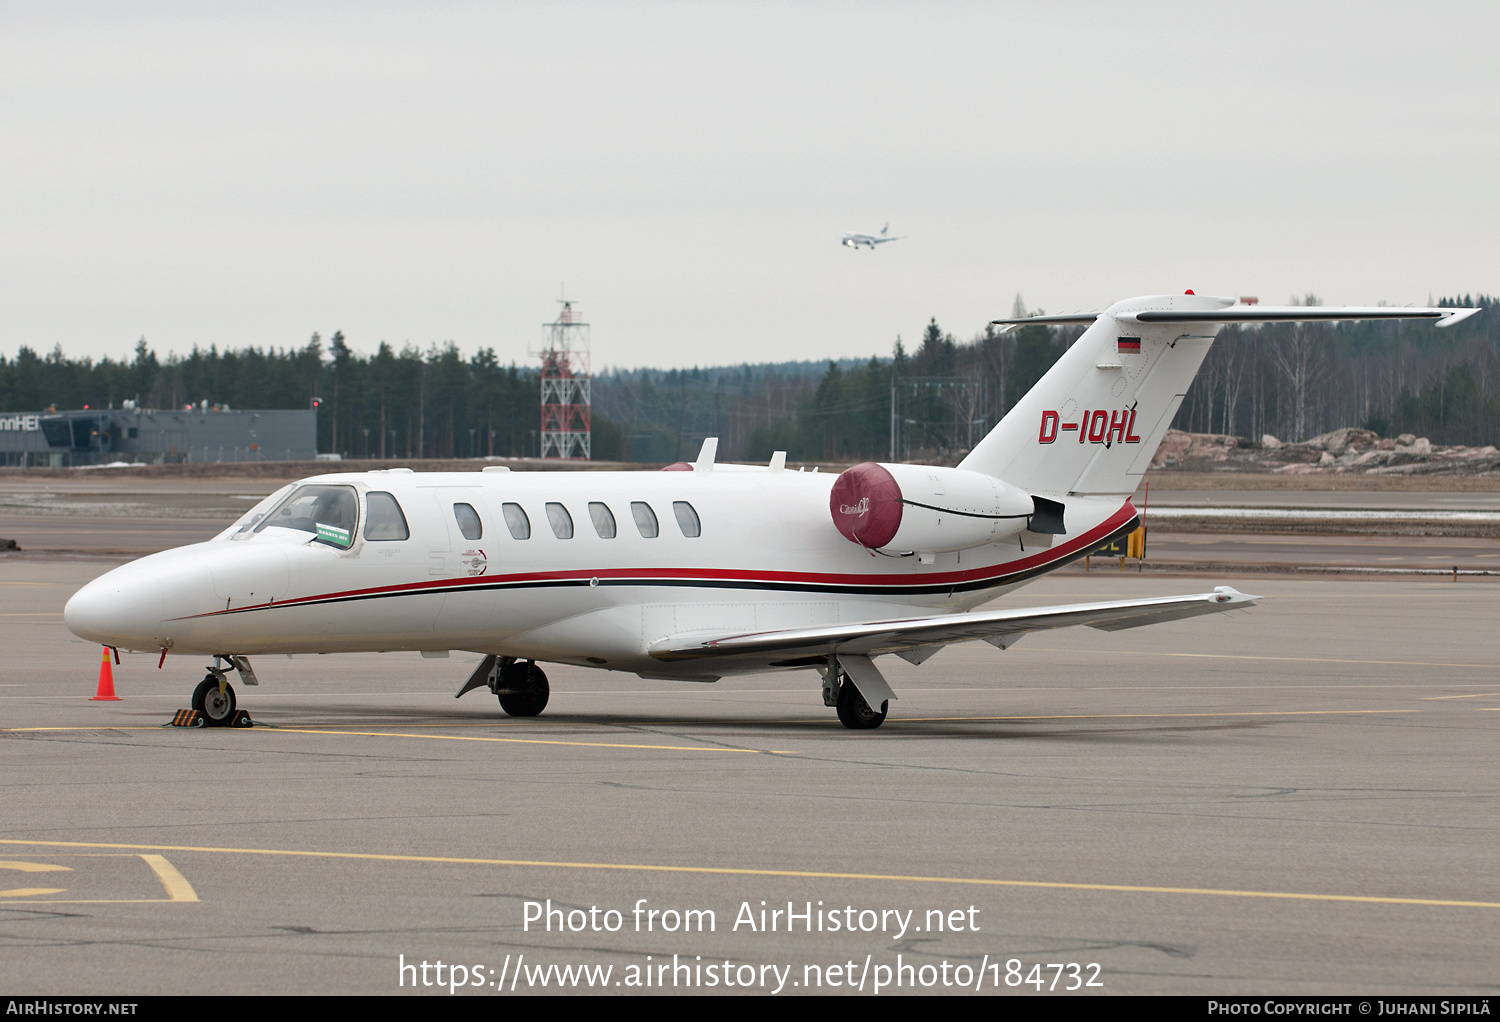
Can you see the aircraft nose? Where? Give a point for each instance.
(120, 608)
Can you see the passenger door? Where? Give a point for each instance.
(470, 532)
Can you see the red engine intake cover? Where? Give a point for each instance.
(866, 505)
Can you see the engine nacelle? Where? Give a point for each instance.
(925, 508)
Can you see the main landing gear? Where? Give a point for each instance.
(214, 696)
(520, 684)
(855, 713)
(842, 692)
(523, 689)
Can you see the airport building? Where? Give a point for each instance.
(53, 439)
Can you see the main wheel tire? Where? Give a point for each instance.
(523, 689)
(854, 712)
(217, 708)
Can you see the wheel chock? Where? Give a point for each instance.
(193, 718)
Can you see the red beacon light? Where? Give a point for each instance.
(1188, 291)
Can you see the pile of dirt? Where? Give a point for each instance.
(1341, 452)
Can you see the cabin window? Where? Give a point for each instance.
(604, 519)
(383, 517)
(516, 521)
(687, 519)
(468, 521)
(560, 520)
(645, 519)
(328, 512)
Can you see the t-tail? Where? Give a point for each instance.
(1092, 424)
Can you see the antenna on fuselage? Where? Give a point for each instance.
(706, 455)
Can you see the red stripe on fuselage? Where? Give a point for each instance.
(709, 575)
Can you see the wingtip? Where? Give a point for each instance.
(1458, 316)
(1229, 594)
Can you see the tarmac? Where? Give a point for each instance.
(1296, 799)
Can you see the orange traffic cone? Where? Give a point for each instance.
(106, 691)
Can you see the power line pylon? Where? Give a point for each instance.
(566, 391)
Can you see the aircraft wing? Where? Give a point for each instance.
(1001, 627)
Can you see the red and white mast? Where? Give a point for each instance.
(566, 391)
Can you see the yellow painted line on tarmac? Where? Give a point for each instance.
(699, 748)
(636, 867)
(527, 741)
(31, 892)
(450, 738)
(175, 884)
(85, 727)
(1476, 695)
(177, 887)
(1284, 659)
(1107, 716)
(34, 867)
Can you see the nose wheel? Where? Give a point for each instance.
(214, 698)
(523, 689)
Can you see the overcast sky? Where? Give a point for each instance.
(248, 173)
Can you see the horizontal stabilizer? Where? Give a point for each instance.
(1252, 314)
(1062, 320)
(1296, 314)
(873, 638)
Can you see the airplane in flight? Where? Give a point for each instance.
(702, 570)
(854, 239)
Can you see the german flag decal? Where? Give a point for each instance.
(1129, 344)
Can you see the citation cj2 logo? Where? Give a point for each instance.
(856, 509)
(1096, 427)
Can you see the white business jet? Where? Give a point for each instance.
(855, 239)
(702, 570)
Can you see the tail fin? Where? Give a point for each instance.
(1091, 425)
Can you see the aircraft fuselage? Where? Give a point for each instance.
(767, 556)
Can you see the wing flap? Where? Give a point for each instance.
(874, 638)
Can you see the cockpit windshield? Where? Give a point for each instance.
(328, 512)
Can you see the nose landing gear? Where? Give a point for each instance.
(214, 698)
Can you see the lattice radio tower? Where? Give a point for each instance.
(566, 397)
